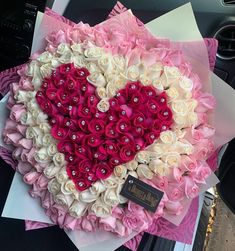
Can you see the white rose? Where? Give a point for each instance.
(186, 83)
(46, 70)
(133, 73)
(170, 75)
(101, 92)
(97, 188)
(59, 160)
(79, 61)
(132, 165)
(52, 149)
(192, 118)
(55, 63)
(111, 89)
(62, 176)
(103, 105)
(179, 107)
(51, 171)
(143, 171)
(111, 197)
(180, 120)
(93, 67)
(159, 167)
(78, 209)
(192, 104)
(132, 173)
(63, 200)
(53, 186)
(157, 150)
(185, 147)
(157, 85)
(87, 196)
(100, 209)
(168, 137)
(33, 132)
(105, 63)
(172, 92)
(63, 48)
(27, 119)
(41, 118)
(41, 156)
(93, 53)
(143, 157)
(45, 127)
(77, 48)
(145, 79)
(187, 95)
(68, 187)
(47, 139)
(97, 79)
(111, 182)
(21, 96)
(154, 71)
(120, 171)
(119, 62)
(45, 57)
(172, 159)
(66, 57)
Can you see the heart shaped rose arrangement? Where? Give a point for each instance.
(103, 103)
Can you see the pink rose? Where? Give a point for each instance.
(16, 112)
(173, 207)
(190, 188)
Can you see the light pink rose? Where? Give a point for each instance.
(13, 138)
(173, 207)
(191, 189)
(175, 193)
(189, 162)
(205, 102)
(31, 177)
(87, 225)
(26, 143)
(108, 223)
(23, 167)
(16, 112)
(202, 173)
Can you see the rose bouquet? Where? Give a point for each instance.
(99, 104)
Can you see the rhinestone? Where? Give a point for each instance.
(110, 117)
(136, 100)
(70, 107)
(64, 96)
(80, 149)
(112, 131)
(74, 136)
(68, 69)
(126, 140)
(116, 161)
(162, 100)
(45, 85)
(81, 73)
(123, 112)
(89, 178)
(150, 93)
(83, 122)
(59, 104)
(92, 98)
(103, 170)
(152, 136)
(96, 155)
(133, 87)
(53, 121)
(61, 82)
(111, 147)
(75, 99)
(39, 94)
(87, 169)
(84, 88)
(122, 127)
(53, 73)
(81, 184)
(73, 173)
(97, 128)
(97, 115)
(140, 119)
(165, 113)
(113, 103)
(71, 158)
(92, 140)
(67, 123)
(86, 110)
(59, 134)
(153, 106)
(137, 147)
(128, 153)
(118, 94)
(138, 129)
(163, 127)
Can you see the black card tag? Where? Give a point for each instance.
(141, 193)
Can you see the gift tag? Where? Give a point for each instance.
(141, 193)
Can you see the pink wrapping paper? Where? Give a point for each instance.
(162, 228)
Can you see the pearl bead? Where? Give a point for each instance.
(162, 100)
(59, 104)
(73, 173)
(81, 184)
(113, 103)
(67, 68)
(163, 127)
(152, 136)
(153, 106)
(64, 96)
(110, 117)
(140, 119)
(138, 129)
(67, 123)
(70, 108)
(89, 178)
(137, 147)
(39, 93)
(133, 87)
(165, 113)
(150, 93)
(123, 112)
(53, 121)
(84, 88)
(75, 99)
(111, 131)
(87, 169)
(80, 149)
(81, 73)
(59, 133)
(61, 82)
(97, 128)
(118, 94)
(111, 147)
(126, 140)
(71, 158)
(97, 115)
(135, 100)
(103, 170)
(86, 110)
(74, 136)
(83, 122)
(128, 153)
(96, 155)
(92, 98)
(122, 127)
(116, 161)
(92, 140)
